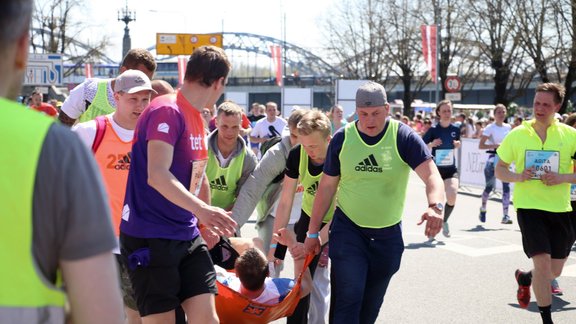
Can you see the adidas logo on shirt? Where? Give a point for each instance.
(312, 189)
(369, 164)
(219, 184)
(123, 162)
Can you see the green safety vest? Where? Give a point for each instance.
(24, 293)
(100, 105)
(224, 181)
(310, 184)
(373, 179)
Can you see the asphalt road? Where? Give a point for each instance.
(468, 278)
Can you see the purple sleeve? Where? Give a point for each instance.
(411, 147)
(293, 163)
(332, 163)
(164, 124)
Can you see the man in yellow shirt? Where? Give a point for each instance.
(542, 150)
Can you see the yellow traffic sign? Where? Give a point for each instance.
(184, 44)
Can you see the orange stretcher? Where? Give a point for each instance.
(234, 308)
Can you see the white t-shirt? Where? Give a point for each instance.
(496, 133)
(75, 105)
(262, 128)
(87, 131)
(275, 289)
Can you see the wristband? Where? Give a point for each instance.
(312, 235)
(273, 245)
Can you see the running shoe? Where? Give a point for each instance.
(445, 229)
(482, 215)
(524, 281)
(506, 220)
(555, 288)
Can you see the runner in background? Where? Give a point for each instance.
(443, 139)
(491, 138)
(543, 150)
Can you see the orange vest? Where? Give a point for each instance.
(113, 158)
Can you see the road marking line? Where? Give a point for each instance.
(452, 245)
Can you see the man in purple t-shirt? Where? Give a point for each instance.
(167, 195)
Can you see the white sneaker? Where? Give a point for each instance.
(445, 229)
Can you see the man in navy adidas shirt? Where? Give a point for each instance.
(370, 160)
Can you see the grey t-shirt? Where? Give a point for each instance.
(71, 218)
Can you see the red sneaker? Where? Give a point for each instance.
(523, 293)
(555, 288)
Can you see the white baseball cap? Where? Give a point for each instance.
(132, 81)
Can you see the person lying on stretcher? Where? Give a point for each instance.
(252, 273)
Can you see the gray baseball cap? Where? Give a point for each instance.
(371, 94)
(132, 81)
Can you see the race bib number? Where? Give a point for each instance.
(444, 157)
(198, 169)
(542, 161)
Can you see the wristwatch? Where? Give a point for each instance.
(439, 207)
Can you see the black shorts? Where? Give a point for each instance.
(170, 271)
(546, 232)
(447, 173)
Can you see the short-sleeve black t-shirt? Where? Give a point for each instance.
(293, 164)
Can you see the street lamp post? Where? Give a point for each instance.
(126, 16)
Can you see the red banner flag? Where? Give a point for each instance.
(88, 71)
(182, 62)
(429, 49)
(276, 52)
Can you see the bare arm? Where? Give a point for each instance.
(93, 289)
(504, 174)
(65, 119)
(428, 172)
(552, 178)
(483, 146)
(160, 178)
(288, 238)
(324, 196)
(324, 233)
(204, 193)
(434, 143)
(255, 139)
(245, 131)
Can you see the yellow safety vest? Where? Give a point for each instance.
(25, 296)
